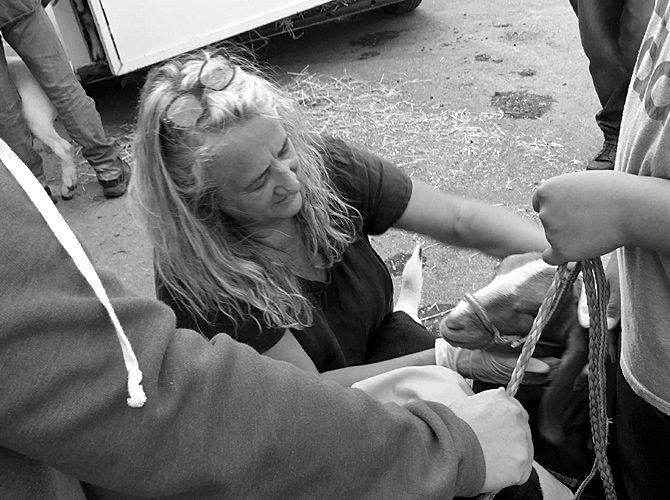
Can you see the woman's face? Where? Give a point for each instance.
(256, 174)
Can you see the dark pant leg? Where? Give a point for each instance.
(599, 22)
(634, 20)
(35, 39)
(643, 433)
(13, 128)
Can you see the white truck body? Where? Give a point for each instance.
(117, 37)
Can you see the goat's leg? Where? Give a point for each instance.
(68, 169)
(411, 283)
(46, 133)
(40, 115)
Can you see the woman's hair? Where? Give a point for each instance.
(205, 259)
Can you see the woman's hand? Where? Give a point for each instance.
(489, 367)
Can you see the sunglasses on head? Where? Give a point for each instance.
(186, 109)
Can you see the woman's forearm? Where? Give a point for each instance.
(352, 374)
(468, 223)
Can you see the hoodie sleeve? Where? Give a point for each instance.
(220, 421)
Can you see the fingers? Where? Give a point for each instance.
(551, 256)
(501, 426)
(535, 201)
(535, 365)
(538, 366)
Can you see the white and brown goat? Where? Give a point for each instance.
(532, 282)
(500, 315)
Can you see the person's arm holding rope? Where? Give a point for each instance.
(588, 214)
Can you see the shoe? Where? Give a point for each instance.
(605, 159)
(53, 198)
(117, 187)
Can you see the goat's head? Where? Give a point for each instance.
(499, 316)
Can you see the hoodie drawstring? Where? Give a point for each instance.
(69, 241)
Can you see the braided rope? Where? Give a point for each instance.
(597, 295)
(563, 280)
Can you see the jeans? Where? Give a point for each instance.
(34, 38)
(611, 32)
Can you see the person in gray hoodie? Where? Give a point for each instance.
(99, 386)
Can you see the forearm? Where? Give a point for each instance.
(497, 231)
(645, 212)
(352, 374)
(468, 223)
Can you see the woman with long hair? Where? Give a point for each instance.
(260, 227)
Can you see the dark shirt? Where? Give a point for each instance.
(358, 294)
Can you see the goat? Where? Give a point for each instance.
(500, 315)
(541, 484)
(497, 318)
(40, 114)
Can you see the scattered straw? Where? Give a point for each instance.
(451, 148)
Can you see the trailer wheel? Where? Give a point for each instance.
(401, 7)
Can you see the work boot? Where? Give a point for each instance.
(117, 187)
(604, 160)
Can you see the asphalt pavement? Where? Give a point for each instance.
(448, 60)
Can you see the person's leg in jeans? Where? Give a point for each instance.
(34, 38)
(599, 32)
(643, 433)
(13, 128)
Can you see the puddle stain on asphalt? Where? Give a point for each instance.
(522, 104)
